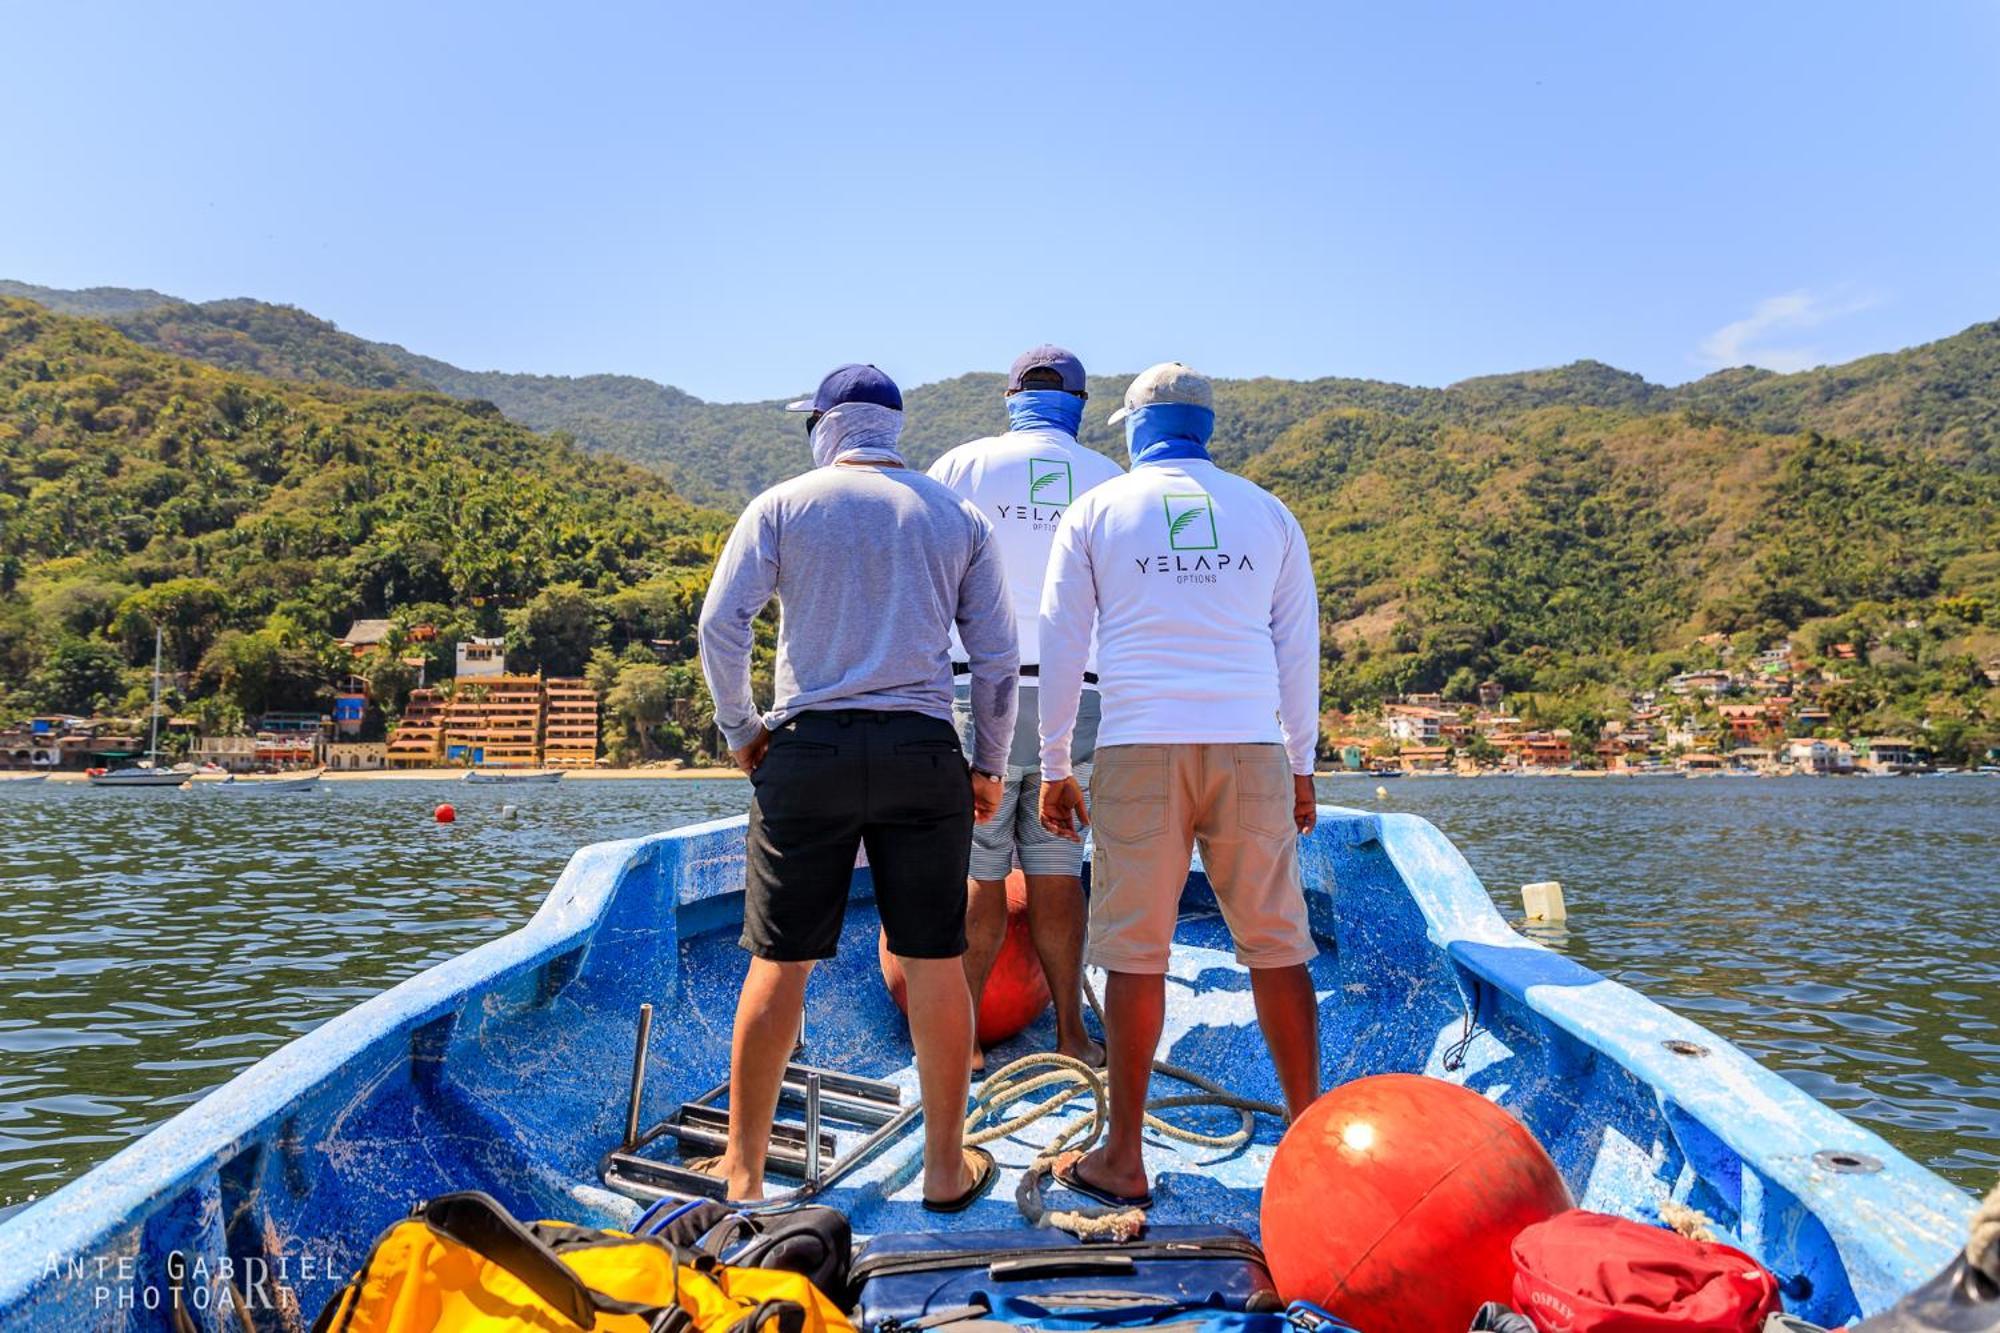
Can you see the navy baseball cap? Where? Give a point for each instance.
(853, 383)
(1047, 357)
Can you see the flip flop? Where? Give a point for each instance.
(985, 1172)
(1064, 1174)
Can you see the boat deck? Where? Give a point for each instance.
(852, 1027)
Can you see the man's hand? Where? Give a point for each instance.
(1062, 809)
(985, 797)
(1305, 803)
(752, 752)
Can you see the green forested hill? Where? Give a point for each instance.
(1943, 397)
(1573, 548)
(254, 519)
(1568, 530)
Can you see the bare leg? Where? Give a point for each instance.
(767, 1025)
(1288, 1012)
(985, 932)
(941, 1030)
(1135, 1009)
(1056, 923)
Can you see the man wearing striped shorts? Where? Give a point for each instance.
(1022, 482)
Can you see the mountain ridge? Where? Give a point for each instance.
(1943, 395)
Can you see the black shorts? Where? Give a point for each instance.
(895, 783)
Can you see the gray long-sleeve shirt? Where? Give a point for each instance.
(871, 567)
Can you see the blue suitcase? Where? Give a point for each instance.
(1210, 1277)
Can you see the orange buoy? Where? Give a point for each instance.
(445, 814)
(1429, 1182)
(1016, 990)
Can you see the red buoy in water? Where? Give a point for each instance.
(445, 814)
(1394, 1200)
(1016, 991)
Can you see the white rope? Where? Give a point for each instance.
(1066, 1080)
(1982, 1248)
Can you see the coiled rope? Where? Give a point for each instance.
(1066, 1079)
(1982, 1248)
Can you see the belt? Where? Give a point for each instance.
(1031, 670)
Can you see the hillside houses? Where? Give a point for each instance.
(1760, 713)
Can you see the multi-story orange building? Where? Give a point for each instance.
(569, 731)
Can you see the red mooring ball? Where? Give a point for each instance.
(1016, 992)
(445, 814)
(1394, 1201)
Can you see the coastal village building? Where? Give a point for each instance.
(1747, 723)
(569, 735)
(1815, 755)
(494, 721)
(481, 657)
(1700, 682)
(419, 739)
(1425, 758)
(1894, 754)
(357, 756)
(498, 721)
(1546, 749)
(365, 634)
(1412, 724)
(59, 741)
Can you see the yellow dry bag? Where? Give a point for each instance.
(462, 1261)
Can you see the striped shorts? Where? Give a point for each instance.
(1015, 834)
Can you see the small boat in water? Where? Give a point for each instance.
(238, 785)
(512, 1069)
(147, 772)
(21, 779)
(139, 775)
(508, 775)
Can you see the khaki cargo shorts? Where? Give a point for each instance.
(1150, 805)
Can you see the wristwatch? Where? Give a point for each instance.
(982, 773)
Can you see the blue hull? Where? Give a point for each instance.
(506, 1070)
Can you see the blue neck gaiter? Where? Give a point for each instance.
(1045, 409)
(1167, 431)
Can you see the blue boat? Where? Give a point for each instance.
(510, 1069)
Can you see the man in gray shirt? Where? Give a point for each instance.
(873, 565)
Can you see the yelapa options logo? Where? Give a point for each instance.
(1051, 487)
(1194, 546)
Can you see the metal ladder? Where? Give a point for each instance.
(804, 1149)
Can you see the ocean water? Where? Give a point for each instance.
(1847, 933)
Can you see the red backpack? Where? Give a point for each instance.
(1584, 1272)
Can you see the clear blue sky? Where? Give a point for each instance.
(733, 198)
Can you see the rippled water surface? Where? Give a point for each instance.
(157, 942)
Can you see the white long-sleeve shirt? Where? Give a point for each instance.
(1200, 590)
(1023, 482)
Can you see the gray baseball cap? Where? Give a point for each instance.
(1168, 382)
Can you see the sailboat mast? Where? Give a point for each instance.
(153, 745)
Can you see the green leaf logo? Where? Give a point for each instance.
(1191, 522)
(1049, 481)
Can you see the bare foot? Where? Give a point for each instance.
(1084, 1049)
(978, 1059)
(737, 1183)
(1095, 1171)
(966, 1178)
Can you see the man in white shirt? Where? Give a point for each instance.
(1023, 482)
(1200, 592)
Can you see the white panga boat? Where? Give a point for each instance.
(502, 775)
(239, 784)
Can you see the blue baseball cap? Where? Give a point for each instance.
(852, 383)
(1047, 357)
